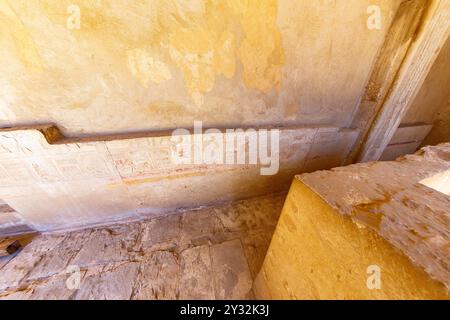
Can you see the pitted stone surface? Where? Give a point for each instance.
(389, 198)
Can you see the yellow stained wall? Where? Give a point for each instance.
(155, 64)
(318, 253)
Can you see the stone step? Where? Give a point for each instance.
(366, 231)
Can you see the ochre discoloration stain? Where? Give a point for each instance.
(171, 176)
(261, 51)
(228, 62)
(202, 39)
(24, 44)
(291, 111)
(147, 68)
(167, 108)
(140, 181)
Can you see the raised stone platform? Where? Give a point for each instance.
(366, 231)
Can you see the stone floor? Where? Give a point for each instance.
(211, 253)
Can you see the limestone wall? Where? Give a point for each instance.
(154, 64)
(58, 183)
(434, 95)
(96, 68)
(428, 119)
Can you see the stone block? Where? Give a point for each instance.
(366, 231)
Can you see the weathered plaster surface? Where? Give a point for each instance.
(434, 93)
(432, 103)
(71, 183)
(212, 253)
(441, 126)
(406, 140)
(161, 64)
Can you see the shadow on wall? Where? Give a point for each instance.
(10, 221)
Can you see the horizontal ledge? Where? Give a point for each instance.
(53, 134)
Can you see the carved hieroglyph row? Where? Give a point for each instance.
(71, 183)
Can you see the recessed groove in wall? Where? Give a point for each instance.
(53, 134)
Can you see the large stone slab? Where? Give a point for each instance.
(110, 282)
(25, 261)
(161, 233)
(58, 259)
(232, 278)
(189, 255)
(158, 277)
(196, 278)
(406, 140)
(365, 231)
(109, 244)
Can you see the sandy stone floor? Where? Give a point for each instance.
(211, 253)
